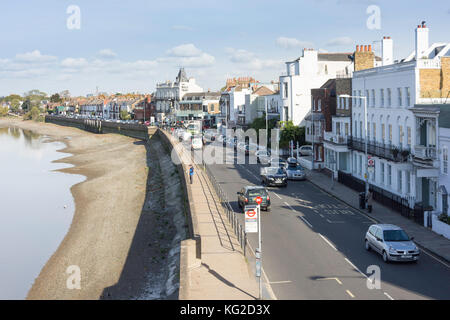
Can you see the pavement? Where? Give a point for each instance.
(424, 237)
(223, 273)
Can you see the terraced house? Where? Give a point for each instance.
(404, 100)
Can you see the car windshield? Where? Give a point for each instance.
(395, 235)
(275, 170)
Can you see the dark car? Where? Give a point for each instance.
(247, 196)
(274, 176)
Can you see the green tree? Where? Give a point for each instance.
(291, 132)
(260, 123)
(26, 105)
(3, 111)
(124, 115)
(55, 98)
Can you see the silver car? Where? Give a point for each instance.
(294, 170)
(391, 242)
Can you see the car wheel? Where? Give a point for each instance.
(367, 245)
(385, 257)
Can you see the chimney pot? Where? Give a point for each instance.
(370, 47)
(357, 48)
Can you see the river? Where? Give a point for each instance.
(36, 207)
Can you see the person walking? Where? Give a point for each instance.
(369, 201)
(191, 173)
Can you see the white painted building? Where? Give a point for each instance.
(310, 71)
(402, 129)
(168, 94)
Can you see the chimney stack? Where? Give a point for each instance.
(421, 40)
(387, 51)
(364, 57)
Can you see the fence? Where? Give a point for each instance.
(384, 197)
(238, 229)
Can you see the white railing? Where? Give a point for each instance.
(428, 64)
(390, 68)
(425, 153)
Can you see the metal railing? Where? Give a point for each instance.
(425, 153)
(383, 150)
(238, 228)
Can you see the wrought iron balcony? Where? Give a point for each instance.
(378, 149)
(335, 138)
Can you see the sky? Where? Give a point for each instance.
(129, 46)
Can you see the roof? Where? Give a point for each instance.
(316, 117)
(263, 91)
(203, 94)
(388, 227)
(337, 56)
(182, 76)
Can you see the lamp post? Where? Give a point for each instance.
(365, 135)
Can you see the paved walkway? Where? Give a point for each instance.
(424, 237)
(224, 273)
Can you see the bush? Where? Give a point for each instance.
(3, 111)
(444, 218)
(34, 115)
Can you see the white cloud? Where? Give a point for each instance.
(249, 60)
(185, 50)
(107, 54)
(292, 43)
(340, 41)
(34, 57)
(74, 63)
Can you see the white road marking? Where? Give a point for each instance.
(335, 221)
(356, 268)
(350, 294)
(306, 221)
(277, 195)
(387, 295)
(280, 282)
(329, 243)
(337, 280)
(289, 206)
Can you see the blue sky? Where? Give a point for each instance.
(132, 45)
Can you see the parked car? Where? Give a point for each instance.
(247, 196)
(274, 176)
(263, 157)
(277, 162)
(305, 150)
(294, 170)
(391, 242)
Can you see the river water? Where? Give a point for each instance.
(36, 207)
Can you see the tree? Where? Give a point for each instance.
(26, 106)
(260, 123)
(55, 98)
(124, 115)
(291, 132)
(3, 111)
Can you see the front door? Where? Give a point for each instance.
(425, 192)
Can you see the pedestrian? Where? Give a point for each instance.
(369, 201)
(191, 173)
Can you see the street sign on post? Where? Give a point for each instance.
(251, 219)
(258, 200)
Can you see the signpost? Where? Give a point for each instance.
(251, 219)
(258, 253)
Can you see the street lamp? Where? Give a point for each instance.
(365, 134)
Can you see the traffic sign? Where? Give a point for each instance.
(251, 219)
(258, 200)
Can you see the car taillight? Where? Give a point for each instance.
(246, 200)
(268, 199)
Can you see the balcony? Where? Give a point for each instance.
(314, 138)
(379, 149)
(425, 153)
(335, 138)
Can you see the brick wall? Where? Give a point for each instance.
(364, 60)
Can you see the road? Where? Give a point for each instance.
(313, 246)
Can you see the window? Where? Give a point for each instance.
(367, 97)
(354, 97)
(399, 90)
(360, 100)
(319, 105)
(383, 133)
(286, 89)
(408, 96)
(338, 128)
(389, 97)
(360, 129)
(373, 98)
(400, 180)
(390, 133)
(355, 129)
(346, 129)
(360, 165)
(354, 164)
(339, 102)
(382, 97)
(408, 129)
(374, 131)
(382, 173)
(389, 172)
(445, 160)
(400, 135)
(408, 182)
